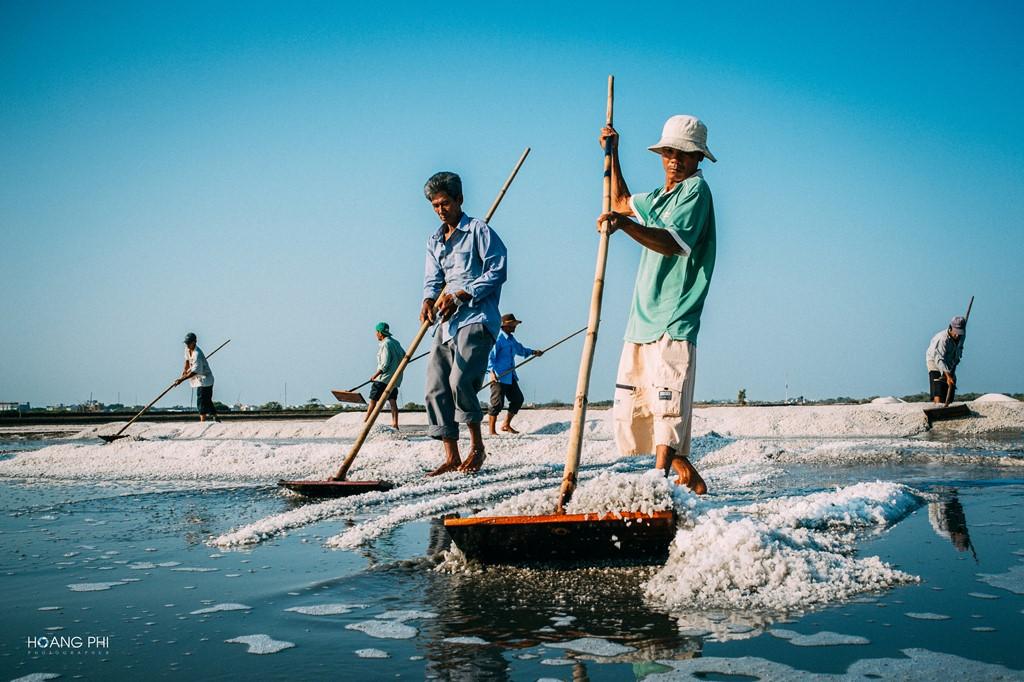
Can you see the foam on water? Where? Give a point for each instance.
(465, 640)
(216, 608)
(372, 653)
(36, 677)
(326, 609)
(823, 638)
(384, 629)
(95, 587)
(593, 646)
(919, 664)
(1012, 580)
(407, 614)
(261, 644)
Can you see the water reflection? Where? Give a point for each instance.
(518, 609)
(946, 515)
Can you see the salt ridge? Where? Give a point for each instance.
(271, 526)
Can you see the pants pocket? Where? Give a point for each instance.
(624, 407)
(666, 402)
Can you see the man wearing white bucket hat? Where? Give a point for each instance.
(675, 223)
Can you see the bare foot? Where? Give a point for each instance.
(473, 462)
(688, 476)
(450, 465)
(492, 432)
(508, 428)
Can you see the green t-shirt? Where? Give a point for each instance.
(670, 290)
(389, 355)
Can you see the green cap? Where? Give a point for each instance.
(383, 328)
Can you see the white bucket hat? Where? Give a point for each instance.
(685, 133)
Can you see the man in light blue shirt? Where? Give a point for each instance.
(467, 261)
(501, 363)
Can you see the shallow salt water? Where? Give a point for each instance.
(379, 609)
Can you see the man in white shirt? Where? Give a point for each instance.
(200, 377)
(944, 353)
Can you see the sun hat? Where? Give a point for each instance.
(509, 317)
(190, 338)
(685, 133)
(958, 324)
(383, 328)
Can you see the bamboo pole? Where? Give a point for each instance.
(371, 418)
(368, 381)
(545, 350)
(579, 413)
(155, 400)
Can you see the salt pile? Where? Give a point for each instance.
(783, 554)
(995, 398)
(606, 493)
(886, 400)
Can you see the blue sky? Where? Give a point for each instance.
(253, 171)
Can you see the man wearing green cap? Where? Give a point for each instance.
(389, 355)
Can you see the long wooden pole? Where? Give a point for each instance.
(356, 388)
(545, 350)
(156, 399)
(372, 417)
(967, 316)
(579, 414)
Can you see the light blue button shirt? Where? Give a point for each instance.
(473, 259)
(503, 357)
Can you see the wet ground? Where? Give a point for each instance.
(129, 566)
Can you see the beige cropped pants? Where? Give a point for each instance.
(654, 396)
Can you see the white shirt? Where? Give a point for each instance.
(197, 363)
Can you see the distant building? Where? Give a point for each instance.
(15, 407)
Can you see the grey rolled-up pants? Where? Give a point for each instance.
(455, 373)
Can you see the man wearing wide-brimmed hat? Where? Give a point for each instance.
(389, 355)
(675, 223)
(501, 363)
(943, 355)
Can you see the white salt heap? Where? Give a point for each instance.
(783, 554)
(606, 493)
(995, 398)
